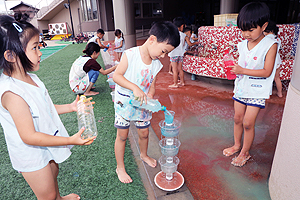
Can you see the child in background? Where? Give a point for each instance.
(176, 56)
(97, 39)
(255, 73)
(194, 36)
(35, 136)
(135, 77)
(85, 71)
(188, 47)
(272, 31)
(41, 40)
(119, 44)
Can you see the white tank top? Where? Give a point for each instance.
(180, 49)
(93, 39)
(251, 86)
(140, 74)
(78, 78)
(278, 59)
(28, 158)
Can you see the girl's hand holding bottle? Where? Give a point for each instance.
(77, 140)
(236, 69)
(74, 103)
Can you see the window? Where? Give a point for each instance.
(148, 8)
(137, 9)
(94, 9)
(89, 10)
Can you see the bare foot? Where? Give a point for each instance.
(123, 176)
(181, 83)
(71, 196)
(90, 93)
(173, 86)
(279, 94)
(240, 160)
(150, 161)
(230, 151)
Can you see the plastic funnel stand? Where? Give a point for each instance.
(168, 185)
(170, 130)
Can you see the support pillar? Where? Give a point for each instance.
(285, 175)
(124, 20)
(227, 7)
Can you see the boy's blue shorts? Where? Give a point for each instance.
(122, 123)
(257, 102)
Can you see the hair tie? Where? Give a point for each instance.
(19, 29)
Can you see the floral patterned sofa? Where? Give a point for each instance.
(214, 40)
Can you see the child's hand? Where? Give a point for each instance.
(140, 95)
(150, 95)
(76, 138)
(236, 69)
(74, 103)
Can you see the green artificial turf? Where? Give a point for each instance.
(48, 51)
(90, 170)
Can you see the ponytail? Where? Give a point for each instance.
(90, 48)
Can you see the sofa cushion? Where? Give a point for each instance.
(215, 40)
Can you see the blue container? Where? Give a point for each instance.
(170, 130)
(169, 117)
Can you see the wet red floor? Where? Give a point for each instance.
(205, 109)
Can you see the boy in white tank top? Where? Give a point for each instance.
(135, 77)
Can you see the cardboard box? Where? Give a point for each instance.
(225, 20)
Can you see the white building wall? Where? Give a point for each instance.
(64, 16)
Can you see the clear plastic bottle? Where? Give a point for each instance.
(106, 48)
(228, 61)
(152, 105)
(85, 116)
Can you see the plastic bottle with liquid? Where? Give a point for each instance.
(85, 116)
(152, 105)
(228, 61)
(106, 48)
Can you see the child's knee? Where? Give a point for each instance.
(122, 136)
(248, 125)
(143, 133)
(238, 119)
